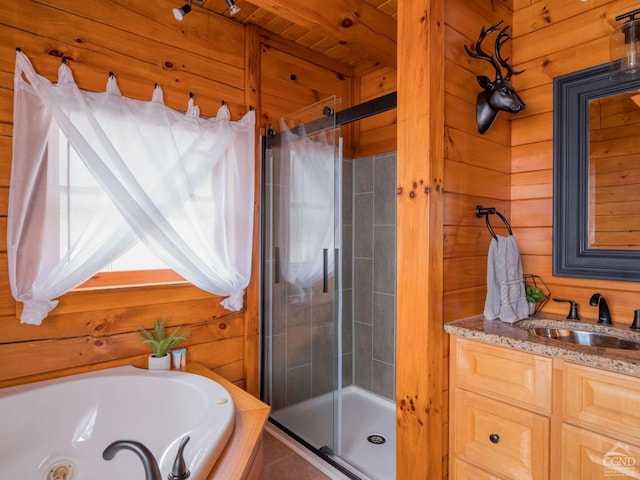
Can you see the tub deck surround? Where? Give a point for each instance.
(515, 336)
(242, 457)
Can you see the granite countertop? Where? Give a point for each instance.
(516, 336)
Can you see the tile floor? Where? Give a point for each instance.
(282, 463)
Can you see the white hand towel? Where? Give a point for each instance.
(506, 298)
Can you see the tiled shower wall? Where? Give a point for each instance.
(370, 221)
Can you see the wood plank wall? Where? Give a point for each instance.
(376, 134)
(142, 44)
(293, 80)
(477, 166)
(551, 39)
(476, 170)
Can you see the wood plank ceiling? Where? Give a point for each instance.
(358, 33)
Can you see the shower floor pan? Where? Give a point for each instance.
(368, 430)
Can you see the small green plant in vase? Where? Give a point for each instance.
(160, 344)
(534, 295)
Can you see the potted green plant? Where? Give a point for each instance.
(534, 295)
(160, 344)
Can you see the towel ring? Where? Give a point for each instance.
(486, 211)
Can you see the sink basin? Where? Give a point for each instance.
(584, 337)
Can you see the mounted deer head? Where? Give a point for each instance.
(499, 94)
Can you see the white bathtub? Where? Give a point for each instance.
(71, 420)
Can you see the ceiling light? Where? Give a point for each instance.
(625, 48)
(179, 13)
(233, 8)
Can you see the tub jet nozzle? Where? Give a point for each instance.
(62, 470)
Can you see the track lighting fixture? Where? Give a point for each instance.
(233, 8)
(179, 13)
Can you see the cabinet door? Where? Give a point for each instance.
(590, 456)
(519, 378)
(506, 440)
(602, 401)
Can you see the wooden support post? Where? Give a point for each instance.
(419, 385)
(252, 312)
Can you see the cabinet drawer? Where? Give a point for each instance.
(603, 401)
(464, 471)
(521, 378)
(503, 439)
(587, 455)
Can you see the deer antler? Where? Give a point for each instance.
(481, 54)
(502, 38)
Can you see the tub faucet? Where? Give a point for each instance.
(179, 470)
(151, 470)
(597, 300)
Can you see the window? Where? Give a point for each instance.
(79, 198)
(181, 184)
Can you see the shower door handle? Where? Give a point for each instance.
(277, 265)
(325, 268)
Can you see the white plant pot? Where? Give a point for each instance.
(159, 363)
(532, 308)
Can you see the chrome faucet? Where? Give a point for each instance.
(597, 300)
(151, 469)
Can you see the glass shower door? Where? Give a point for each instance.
(300, 377)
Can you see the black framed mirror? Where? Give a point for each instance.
(596, 176)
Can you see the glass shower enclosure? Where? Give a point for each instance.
(301, 278)
(328, 290)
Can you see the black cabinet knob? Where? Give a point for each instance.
(494, 438)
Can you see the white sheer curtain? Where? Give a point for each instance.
(307, 209)
(94, 172)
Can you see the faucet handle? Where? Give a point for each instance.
(180, 470)
(636, 320)
(573, 309)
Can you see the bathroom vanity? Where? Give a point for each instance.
(526, 407)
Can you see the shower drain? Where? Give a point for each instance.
(376, 439)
